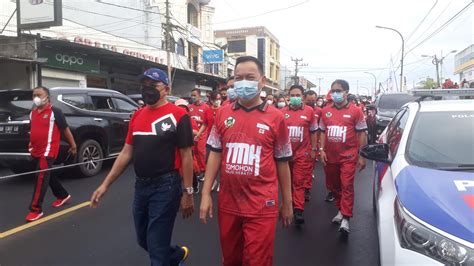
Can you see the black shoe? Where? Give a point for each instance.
(196, 188)
(299, 219)
(200, 177)
(330, 197)
(307, 195)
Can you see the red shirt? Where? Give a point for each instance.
(156, 136)
(209, 117)
(197, 112)
(301, 123)
(317, 113)
(340, 127)
(251, 141)
(45, 132)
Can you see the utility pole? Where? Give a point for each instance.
(168, 43)
(297, 64)
(319, 79)
(439, 64)
(403, 54)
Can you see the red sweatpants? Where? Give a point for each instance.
(246, 240)
(340, 181)
(301, 169)
(199, 150)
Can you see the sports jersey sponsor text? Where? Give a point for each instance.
(243, 159)
(296, 133)
(337, 133)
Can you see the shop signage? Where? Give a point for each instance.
(212, 56)
(69, 60)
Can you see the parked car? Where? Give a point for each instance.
(423, 183)
(381, 113)
(98, 119)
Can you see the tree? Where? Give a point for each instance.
(428, 83)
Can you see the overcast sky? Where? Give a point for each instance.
(340, 35)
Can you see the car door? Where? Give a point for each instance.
(123, 109)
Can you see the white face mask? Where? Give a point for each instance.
(38, 101)
(269, 101)
(217, 103)
(281, 104)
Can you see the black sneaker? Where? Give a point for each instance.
(299, 219)
(330, 197)
(307, 195)
(200, 177)
(196, 188)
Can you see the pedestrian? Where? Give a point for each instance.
(344, 131)
(47, 123)
(263, 95)
(141, 104)
(209, 117)
(281, 102)
(231, 96)
(320, 102)
(302, 127)
(464, 84)
(250, 145)
(197, 110)
(162, 129)
(270, 99)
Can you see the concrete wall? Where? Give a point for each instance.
(15, 75)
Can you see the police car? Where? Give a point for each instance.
(423, 191)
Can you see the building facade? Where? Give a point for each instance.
(464, 64)
(258, 42)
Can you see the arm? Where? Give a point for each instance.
(362, 135)
(70, 139)
(187, 201)
(119, 166)
(322, 143)
(284, 179)
(212, 167)
(314, 143)
(201, 130)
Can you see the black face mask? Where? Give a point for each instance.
(223, 98)
(150, 95)
(311, 104)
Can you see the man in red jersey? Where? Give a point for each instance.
(302, 127)
(47, 124)
(230, 92)
(344, 131)
(250, 145)
(197, 110)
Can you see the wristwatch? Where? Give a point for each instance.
(314, 149)
(321, 149)
(189, 190)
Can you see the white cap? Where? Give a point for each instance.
(263, 94)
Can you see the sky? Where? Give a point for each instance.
(340, 35)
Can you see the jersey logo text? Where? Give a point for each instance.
(337, 133)
(243, 159)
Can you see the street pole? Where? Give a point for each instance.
(403, 53)
(436, 62)
(297, 64)
(319, 79)
(168, 44)
(375, 80)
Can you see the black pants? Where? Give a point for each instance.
(43, 179)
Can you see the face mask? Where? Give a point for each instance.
(231, 94)
(217, 103)
(150, 95)
(338, 97)
(223, 98)
(311, 104)
(281, 105)
(38, 101)
(246, 89)
(295, 101)
(269, 101)
(193, 99)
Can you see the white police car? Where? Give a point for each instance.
(424, 182)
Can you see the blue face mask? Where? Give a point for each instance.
(231, 94)
(246, 89)
(338, 97)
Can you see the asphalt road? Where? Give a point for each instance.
(105, 236)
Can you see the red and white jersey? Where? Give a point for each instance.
(251, 141)
(209, 117)
(301, 123)
(197, 112)
(317, 112)
(340, 127)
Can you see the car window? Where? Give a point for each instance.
(442, 139)
(77, 100)
(15, 104)
(394, 101)
(124, 106)
(395, 130)
(102, 103)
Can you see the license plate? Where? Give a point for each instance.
(9, 129)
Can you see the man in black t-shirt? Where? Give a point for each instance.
(159, 141)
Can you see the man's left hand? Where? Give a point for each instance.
(361, 163)
(187, 205)
(73, 150)
(286, 214)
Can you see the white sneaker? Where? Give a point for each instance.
(344, 228)
(338, 218)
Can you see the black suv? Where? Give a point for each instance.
(98, 119)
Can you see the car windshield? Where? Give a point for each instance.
(394, 101)
(15, 104)
(442, 139)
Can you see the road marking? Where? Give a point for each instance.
(43, 220)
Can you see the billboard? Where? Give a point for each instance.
(38, 14)
(212, 56)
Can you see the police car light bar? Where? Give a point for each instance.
(441, 92)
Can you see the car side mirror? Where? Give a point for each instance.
(370, 107)
(376, 152)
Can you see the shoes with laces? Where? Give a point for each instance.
(344, 228)
(338, 218)
(33, 216)
(60, 202)
(330, 197)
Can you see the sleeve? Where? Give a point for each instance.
(129, 139)
(206, 116)
(185, 132)
(282, 147)
(313, 127)
(322, 125)
(59, 119)
(360, 123)
(214, 141)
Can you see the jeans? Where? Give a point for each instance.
(156, 204)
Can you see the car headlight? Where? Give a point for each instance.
(417, 237)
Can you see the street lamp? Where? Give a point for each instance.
(375, 80)
(403, 53)
(439, 64)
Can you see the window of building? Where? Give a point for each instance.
(261, 52)
(237, 46)
(180, 47)
(272, 71)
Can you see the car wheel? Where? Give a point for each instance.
(90, 154)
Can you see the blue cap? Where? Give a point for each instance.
(155, 74)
